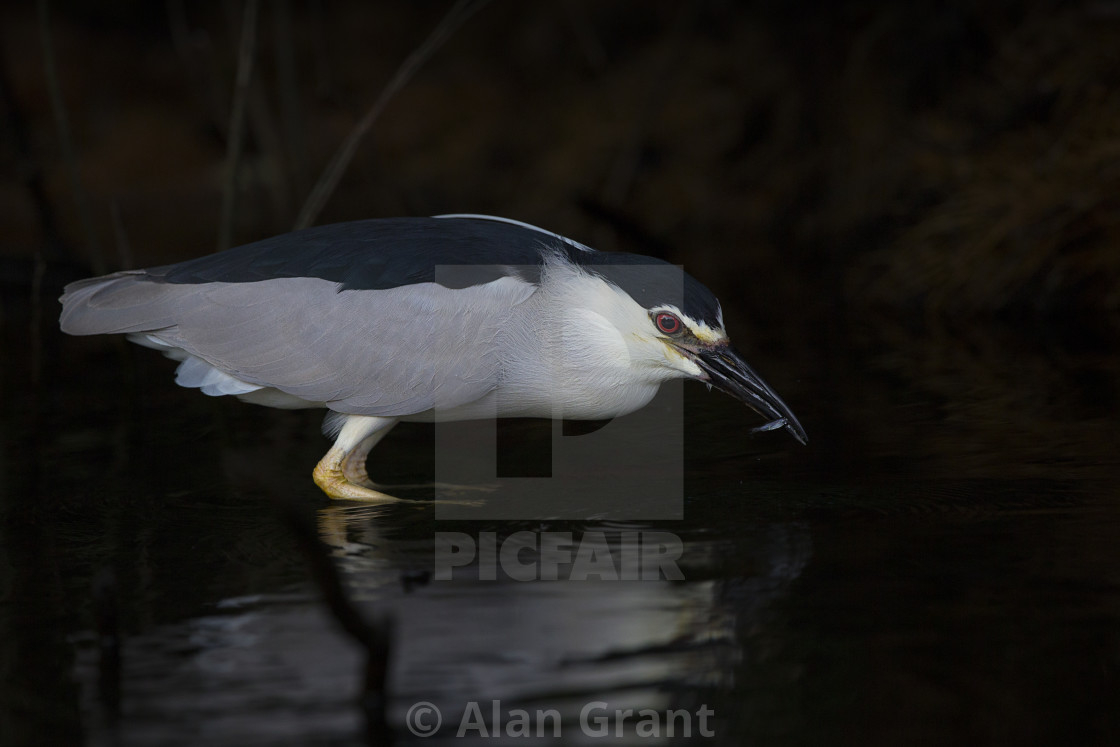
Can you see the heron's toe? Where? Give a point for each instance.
(332, 480)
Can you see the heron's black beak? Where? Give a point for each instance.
(727, 371)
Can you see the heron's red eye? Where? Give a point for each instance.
(667, 323)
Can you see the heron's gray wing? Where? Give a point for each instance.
(387, 352)
(122, 302)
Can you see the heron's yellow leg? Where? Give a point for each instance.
(342, 472)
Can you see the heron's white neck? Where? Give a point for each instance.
(579, 348)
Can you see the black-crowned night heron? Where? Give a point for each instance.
(423, 319)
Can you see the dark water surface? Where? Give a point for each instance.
(939, 566)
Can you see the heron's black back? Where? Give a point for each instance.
(454, 252)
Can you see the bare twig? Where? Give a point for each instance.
(287, 89)
(269, 142)
(51, 245)
(196, 54)
(65, 139)
(28, 167)
(124, 246)
(237, 122)
(459, 13)
(35, 350)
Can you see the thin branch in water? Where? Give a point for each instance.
(328, 182)
(375, 637)
(237, 122)
(106, 612)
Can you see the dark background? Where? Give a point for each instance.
(910, 211)
(901, 175)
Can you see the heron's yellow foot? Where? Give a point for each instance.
(341, 474)
(331, 476)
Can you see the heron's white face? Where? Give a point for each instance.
(681, 336)
(601, 326)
